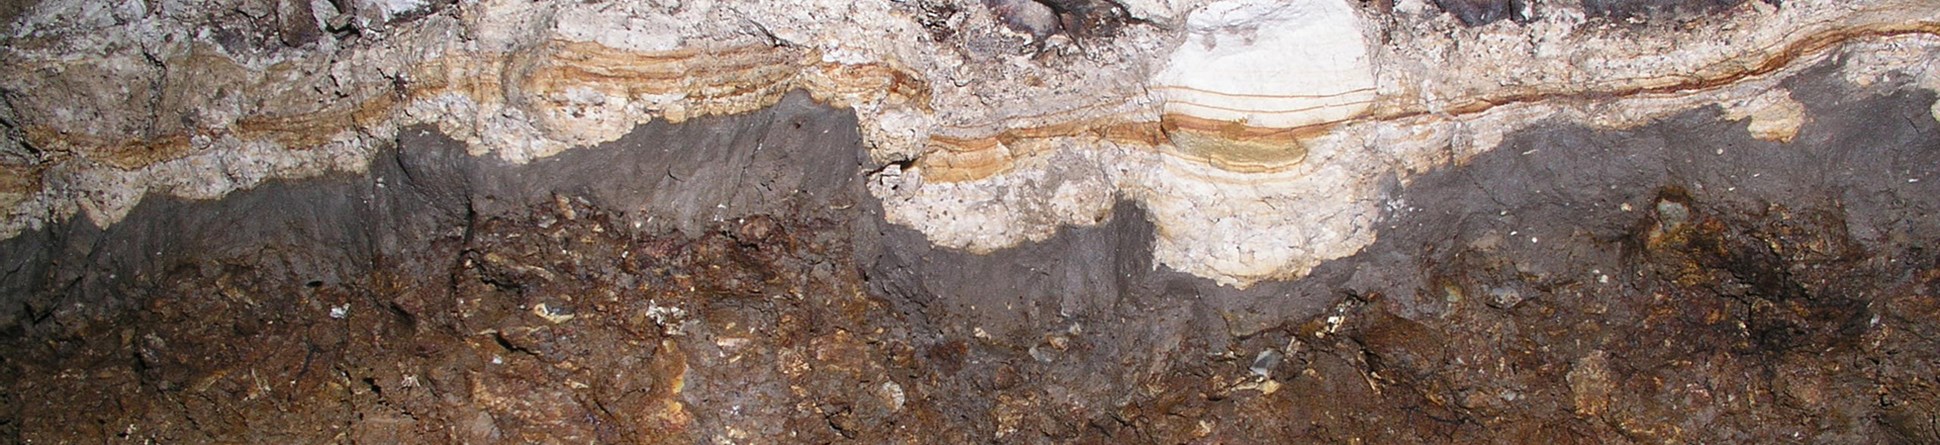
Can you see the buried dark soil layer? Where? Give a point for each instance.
(727, 281)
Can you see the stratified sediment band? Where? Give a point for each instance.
(1260, 136)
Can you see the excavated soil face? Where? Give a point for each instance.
(727, 280)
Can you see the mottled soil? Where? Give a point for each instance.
(727, 281)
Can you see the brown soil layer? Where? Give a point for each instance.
(728, 281)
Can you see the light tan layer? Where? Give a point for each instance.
(723, 81)
(1250, 149)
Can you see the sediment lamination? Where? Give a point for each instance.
(1261, 137)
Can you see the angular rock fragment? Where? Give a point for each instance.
(296, 23)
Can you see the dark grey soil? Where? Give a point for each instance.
(727, 280)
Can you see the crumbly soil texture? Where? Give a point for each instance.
(727, 280)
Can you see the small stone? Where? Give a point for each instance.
(1591, 384)
(1504, 298)
(892, 394)
(551, 314)
(1265, 362)
(1672, 213)
(297, 23)
(1026, 17)
(1041, 355)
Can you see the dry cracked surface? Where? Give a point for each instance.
(1005, 221)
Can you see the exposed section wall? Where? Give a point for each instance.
(732, 280)
(1258, 154)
